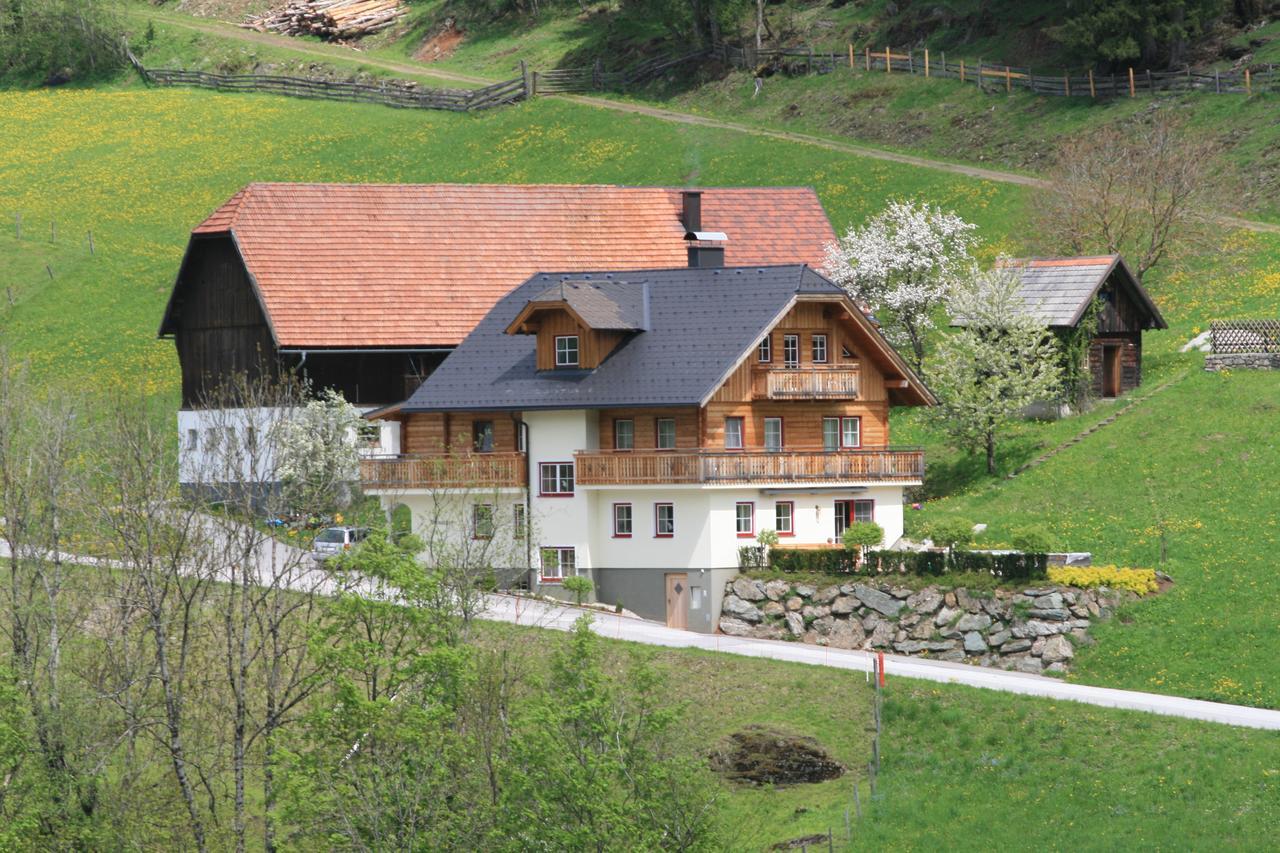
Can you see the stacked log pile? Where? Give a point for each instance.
(331, 19)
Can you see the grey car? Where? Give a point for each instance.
(334, 540)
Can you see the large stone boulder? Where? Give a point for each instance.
(748, 589)
(795, 624)
(974, 622)
(826, 595)
(974, 644)
(878, 601)
(1037, 628)
(1056, 649)
(734, 627)
(946, 616)
(795, 602)
(744, 610)
(776, 590)
(773, 608)
(883, 635)
(846, 634)
(925, 601)
(844, 605)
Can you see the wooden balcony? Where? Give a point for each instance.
(807, 383)
(445, 471)
(623, 468)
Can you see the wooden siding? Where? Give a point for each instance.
(688, 426)
(427, 433)
(221, 328)
(1120, 313)
(593, 346)
(801, 422)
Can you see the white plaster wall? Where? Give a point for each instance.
(690, 546)
(561, 521)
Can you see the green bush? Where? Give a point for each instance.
(1033, 539)
(837, 561)
(579, 586)
(862, 535)
(949, 532)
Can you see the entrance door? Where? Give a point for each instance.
(678, 600)
(1111, 371)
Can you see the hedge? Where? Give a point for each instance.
(837, 561)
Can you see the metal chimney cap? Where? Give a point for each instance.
(710, 236)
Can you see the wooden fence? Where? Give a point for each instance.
(457, 100)
(998, 77)
(596, 79)
(1244, 336)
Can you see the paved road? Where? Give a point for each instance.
(303, 574)
(530, 612)
(423, 69)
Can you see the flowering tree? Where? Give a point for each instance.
(318, 458)
(903, 264)
(1001, 361)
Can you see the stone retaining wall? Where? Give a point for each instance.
(1033, 629)
(1215, 362)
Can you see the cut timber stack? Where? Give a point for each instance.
(332, 19)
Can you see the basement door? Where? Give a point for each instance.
(1111, 371)
(678, 600)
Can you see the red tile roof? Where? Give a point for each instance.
(347, 265)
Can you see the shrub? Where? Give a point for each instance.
(579, 586)
(1032, 539)
(827, 561)
(833, 561)
(862, 535)
(949, 532)
(1141, 581)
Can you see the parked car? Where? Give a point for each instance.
(334, 540)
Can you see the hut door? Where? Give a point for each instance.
(678, 600)
(1111, 371)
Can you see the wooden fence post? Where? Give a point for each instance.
(1151, 83)
(888, 61)
(1066, 81)
(926, 62)
(1132, 93)
(944, 63)
(1217, 83)
(981, 88)
(524, 78)
(1248, 83)
(850, 56)
(808, 69)
(1093, 93)
(867, 52)
(911, 61)
(1008, 80)
(962, 71)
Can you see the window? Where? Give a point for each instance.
(830, 434)
(773, 434)
(733, 433)
(864, 510)
(482, 521)
(745, 518)
(766, 350)
(784, 514)
(517, 521)
(845, 353)
(193, 439)
(664, 520)
(556, 479)
(622, 521)
(851, 432)
(790, 350)
(482, 436)
(558, 563)
(624, 434)
(666, 433)
(566, 351)
(819, 349)
(522, 436)
(847, 512)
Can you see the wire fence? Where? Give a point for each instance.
(999, 77)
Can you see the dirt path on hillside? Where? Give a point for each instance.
(226, 30)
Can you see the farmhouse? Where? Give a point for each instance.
(366, 288)
(638, 428)
(1062, 293)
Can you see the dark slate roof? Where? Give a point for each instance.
(605, 305)
(1057, 290)
(701, 322)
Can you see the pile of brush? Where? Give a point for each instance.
(331, 19)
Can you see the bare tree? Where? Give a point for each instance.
(1145, 190)
(163, 585)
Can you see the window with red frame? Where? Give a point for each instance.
(784, 518)
(664, 520)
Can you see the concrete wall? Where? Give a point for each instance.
(643, 592)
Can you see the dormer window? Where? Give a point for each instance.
(791, 351)
(566, 351)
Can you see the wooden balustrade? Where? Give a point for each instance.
(809, 383)
(445, 471)
(614, 468)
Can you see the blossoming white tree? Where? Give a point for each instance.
(902, 265)
(1001, 361)
(319, 461)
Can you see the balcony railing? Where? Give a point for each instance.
(445, 471)
(617, 468)
(810, 383)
